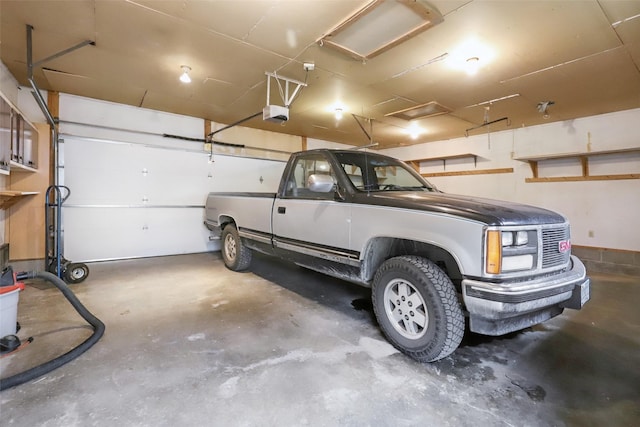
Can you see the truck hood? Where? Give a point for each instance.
(488, 211)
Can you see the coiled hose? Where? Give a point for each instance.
(98, 331)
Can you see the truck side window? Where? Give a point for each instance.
(354, 173)
(358, 179)
(303, 168)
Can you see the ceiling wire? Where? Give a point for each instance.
(561, 64)
(615, 26)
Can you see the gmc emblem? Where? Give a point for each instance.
(564, 246)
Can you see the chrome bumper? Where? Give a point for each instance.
(497, 309)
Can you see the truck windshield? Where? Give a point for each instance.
(372, 172)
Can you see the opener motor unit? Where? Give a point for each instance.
(275, 113)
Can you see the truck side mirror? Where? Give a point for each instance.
(320, 183)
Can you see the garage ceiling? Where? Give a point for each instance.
(584, 56)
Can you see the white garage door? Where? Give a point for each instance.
(134, 200)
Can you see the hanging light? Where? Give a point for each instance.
(184, 77)
(414, 130)
(471, 65)
(338, 113)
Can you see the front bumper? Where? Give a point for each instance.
(500, 308)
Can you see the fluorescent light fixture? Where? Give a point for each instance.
(184, 77)
(379, 26)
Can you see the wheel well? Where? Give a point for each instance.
(224, 220)
(380, 249)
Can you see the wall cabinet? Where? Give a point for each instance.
(18, 140)
(29, 145)
(22, 190)
(6, 116)
(17, 131)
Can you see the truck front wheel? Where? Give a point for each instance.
(235, 254)
(417, 308)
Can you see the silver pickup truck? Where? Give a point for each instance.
(432, 260)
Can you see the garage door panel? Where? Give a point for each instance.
(92, 234)
(107, 173)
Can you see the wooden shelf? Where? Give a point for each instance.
(471, 172)
(584, 160)
(576, 155)
(19, 167)
(585, 178)
(416, 162)
(9, 198)
(416, 165)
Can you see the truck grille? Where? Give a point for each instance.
(551, 255)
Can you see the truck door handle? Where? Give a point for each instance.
(282, 209)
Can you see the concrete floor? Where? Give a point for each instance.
(191, 343)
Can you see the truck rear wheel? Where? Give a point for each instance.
(417, 308)
(235, 254)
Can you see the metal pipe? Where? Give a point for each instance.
(64, 52)
(41, 102)
(233, 124)
(210, 136)
(362, 127)
(38, 96)
(466, 132)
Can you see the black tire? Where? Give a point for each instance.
(417, 308)
(75, 272)
(235, 254)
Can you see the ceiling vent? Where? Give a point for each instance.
(379, 26)
(430, 109)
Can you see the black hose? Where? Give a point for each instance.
(49, 366)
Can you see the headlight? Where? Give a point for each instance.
(508, 251)
(522, 238)
(517, 238)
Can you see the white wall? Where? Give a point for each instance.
(602, 213)
(137, 194)
(313, 143)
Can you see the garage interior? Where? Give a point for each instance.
(532, 101)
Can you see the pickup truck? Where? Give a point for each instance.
(435, 262)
